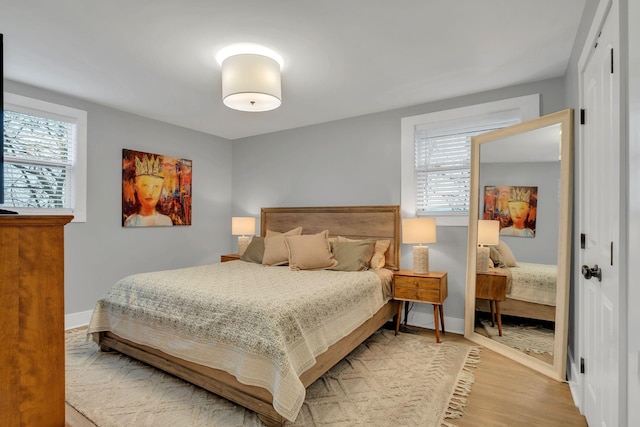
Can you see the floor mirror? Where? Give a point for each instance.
(518, 261)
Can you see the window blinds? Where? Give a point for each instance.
(38, 155)
(443, 161)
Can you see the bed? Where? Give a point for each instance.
(531, 287)
(297, 323)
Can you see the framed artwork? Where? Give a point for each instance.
(514, 206)
(156, 190)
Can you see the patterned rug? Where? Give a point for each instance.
(407, 380)
(534, 340)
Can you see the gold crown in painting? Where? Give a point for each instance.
(519, 194)
(149, 165)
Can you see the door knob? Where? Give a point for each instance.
(594, 271)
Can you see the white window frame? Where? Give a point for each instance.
(528, 106)
(37, 107)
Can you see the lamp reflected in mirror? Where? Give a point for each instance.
(488, 235)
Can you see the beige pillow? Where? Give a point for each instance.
(275, 246)
(352, 256)
(310, 252)
(507, 255)
(378, 259)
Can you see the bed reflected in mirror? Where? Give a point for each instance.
(517, 278)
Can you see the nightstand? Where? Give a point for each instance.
(229, 257)
(492, 286)
(430, 288)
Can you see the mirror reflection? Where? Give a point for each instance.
(519, 181)
(518, 241)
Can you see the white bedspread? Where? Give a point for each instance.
(264, 325)
(534, 283)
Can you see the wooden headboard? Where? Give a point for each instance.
(355, 222)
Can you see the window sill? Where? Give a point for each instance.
(450, 221)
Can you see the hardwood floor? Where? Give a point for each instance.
(504, 393)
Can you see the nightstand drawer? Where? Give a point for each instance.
(415, 293)
(417, 282)
(491, 286)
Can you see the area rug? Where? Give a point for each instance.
(535, 340)
(404, 380)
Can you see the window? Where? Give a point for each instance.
(436, 155)
(44, 158)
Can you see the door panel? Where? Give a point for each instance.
(599, 218)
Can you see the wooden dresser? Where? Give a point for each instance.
(32, 366)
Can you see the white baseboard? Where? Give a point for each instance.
(76, 320)
(575, 381)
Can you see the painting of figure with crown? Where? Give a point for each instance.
(514, 206)
(156, 190)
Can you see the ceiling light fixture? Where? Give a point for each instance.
(250, 78)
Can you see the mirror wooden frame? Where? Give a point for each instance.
(557, 370)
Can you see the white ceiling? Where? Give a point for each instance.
(156, 58)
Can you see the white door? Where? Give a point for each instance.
(599, 222)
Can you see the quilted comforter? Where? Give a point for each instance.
(264, 325)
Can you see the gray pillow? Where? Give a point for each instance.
(255, 251)
(496, 257)
(352, 256)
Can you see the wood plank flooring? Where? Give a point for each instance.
(504, 394)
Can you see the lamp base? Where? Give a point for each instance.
(482, 259)
(421, 259)
(243, 243)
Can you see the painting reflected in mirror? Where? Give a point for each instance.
(517, 278)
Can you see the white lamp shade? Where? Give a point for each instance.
(488, 232)
(418, 230)
(251, 82)
(243, 225)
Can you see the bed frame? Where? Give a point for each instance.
(379, 222)
(517, 308)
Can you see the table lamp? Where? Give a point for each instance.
(419, 230)
(488, 235)
(243, 227)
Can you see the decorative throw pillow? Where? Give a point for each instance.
(275, 246)
(352, 256)
(255, 250)
(310, 252)
(507, 255)
(496, 257)
(378, 259)
(490, 265)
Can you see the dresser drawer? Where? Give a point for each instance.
(416, 294)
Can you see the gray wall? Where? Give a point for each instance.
(357, 162)
(101, 251)
(543, 248)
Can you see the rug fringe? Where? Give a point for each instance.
(463, 387)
